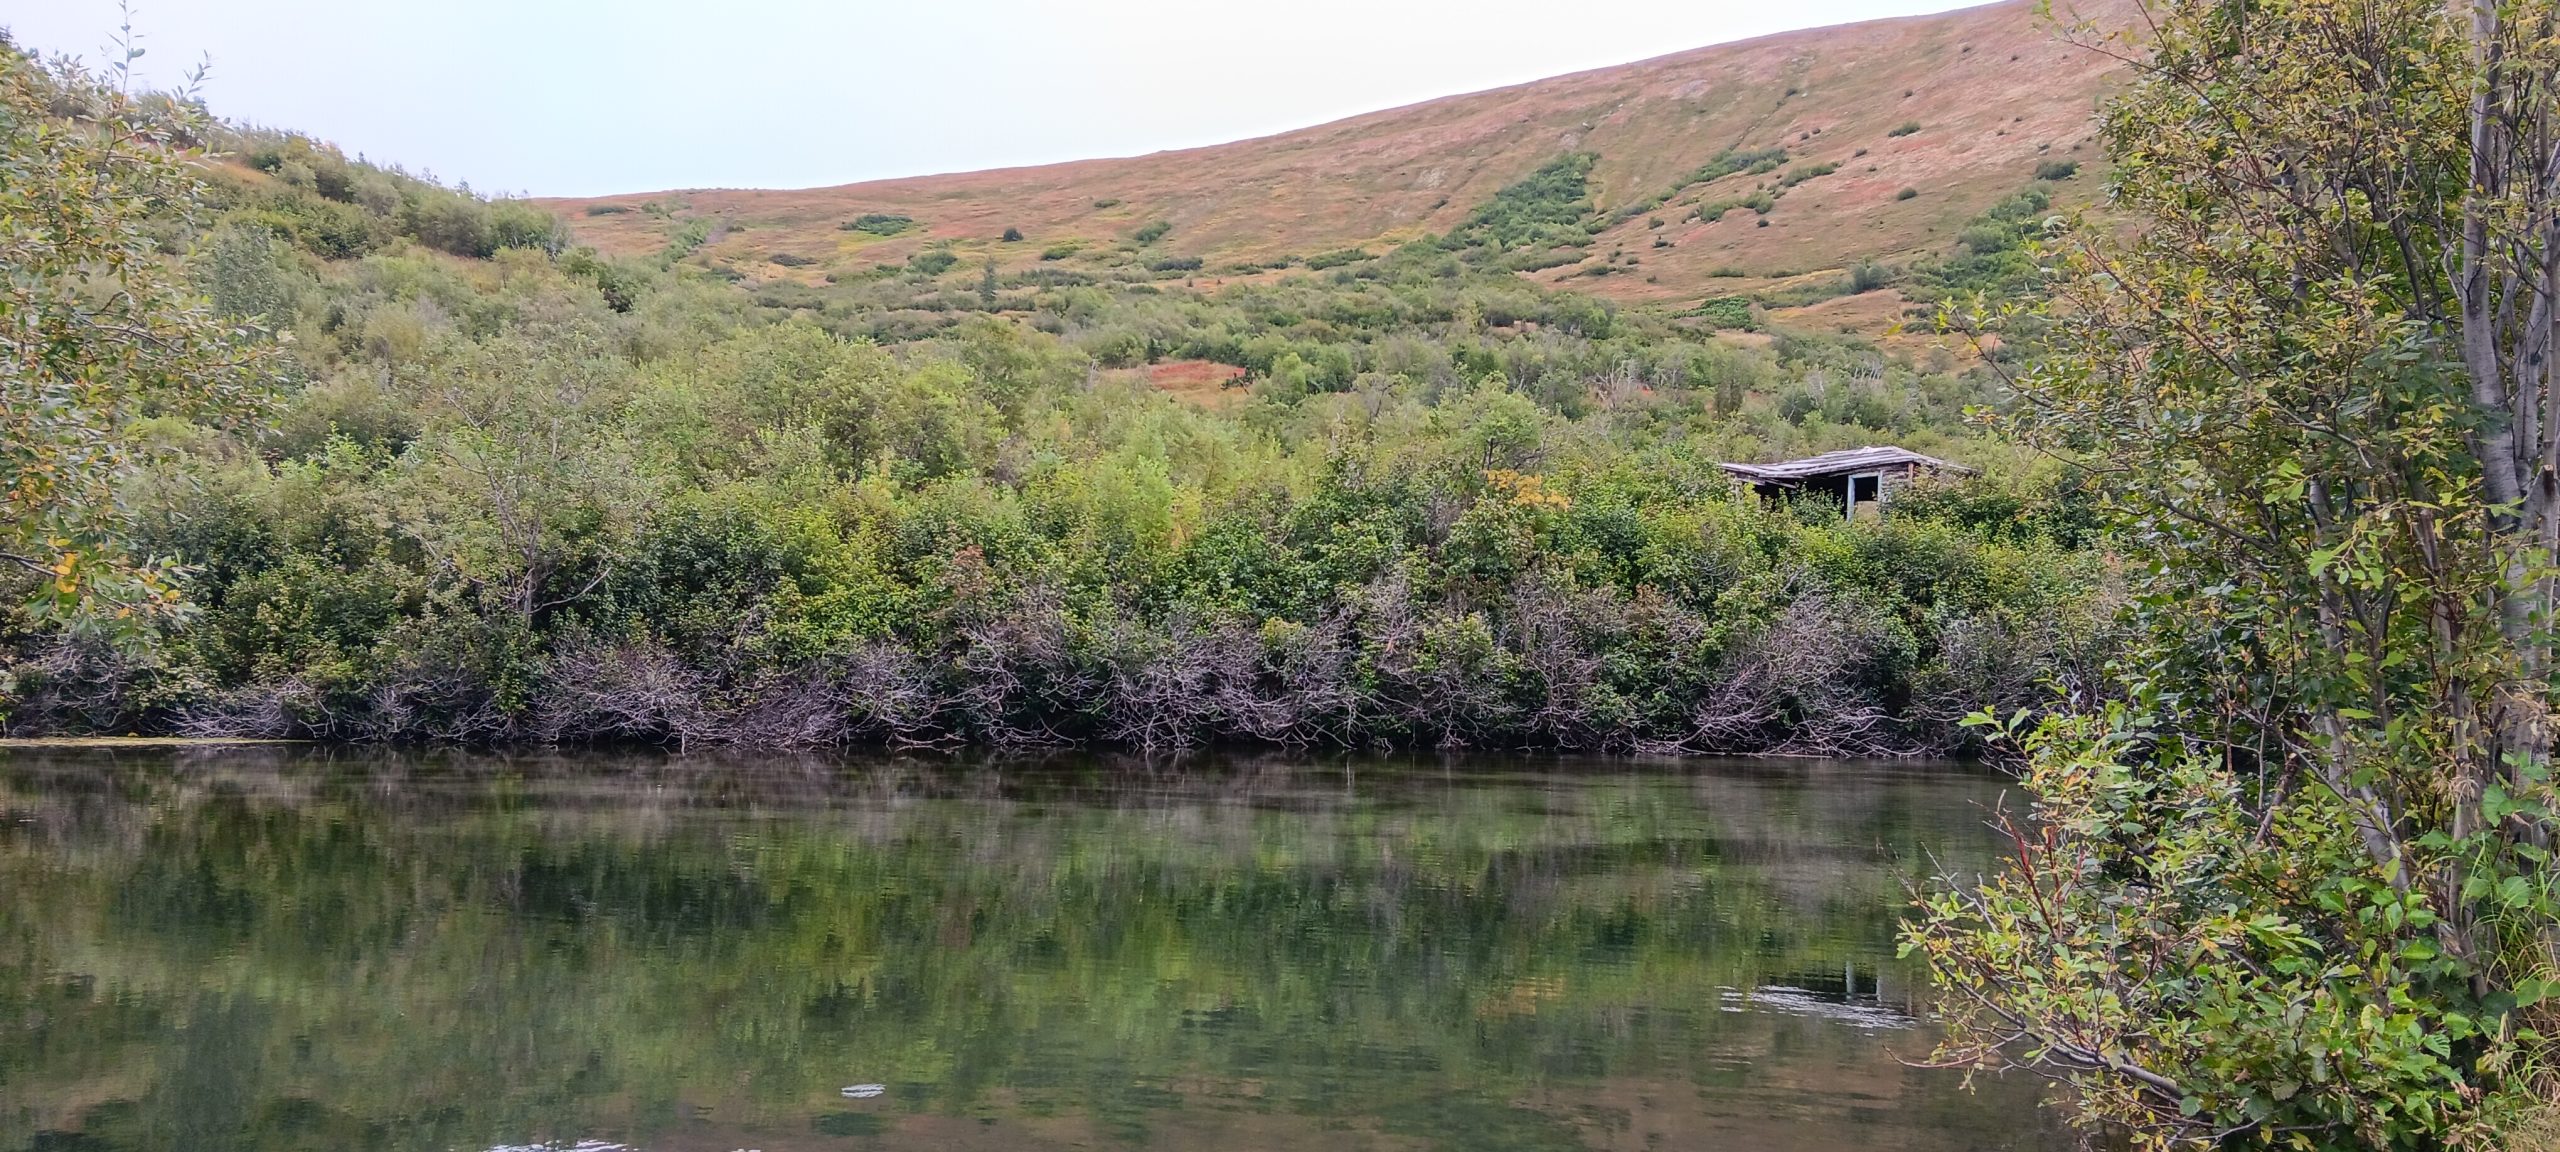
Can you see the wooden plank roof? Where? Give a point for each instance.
(1842, 463)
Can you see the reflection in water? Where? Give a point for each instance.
(305, 950)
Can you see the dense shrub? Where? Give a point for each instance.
(1727, 312)
(1993, 257)
(1808, 172)
(878, 224)
(1549, 207)
(525, 492)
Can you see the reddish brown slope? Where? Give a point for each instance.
(1993, 91)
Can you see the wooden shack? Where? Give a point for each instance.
(1863, 480)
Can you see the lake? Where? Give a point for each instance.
(305, 949)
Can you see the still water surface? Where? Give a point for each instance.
(301, 950)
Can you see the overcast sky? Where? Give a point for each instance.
(584, 97)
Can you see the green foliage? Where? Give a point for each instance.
(2248, 975)
(1745, 160)
(1995, 258)
(1550, 207)
(245, 278)
(530, 493)
(1152, 232)
(1753, 161)
(1906, 128)
(692, 234)
(2296, 889)
(881, 224)
(2057, 169)
(1808, 172)
(100, 341)
(1728, 312)
(1326, 261)
(1012, 236)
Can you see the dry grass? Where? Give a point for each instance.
(1202, 382)
(2539, 1133)
(1995, 91)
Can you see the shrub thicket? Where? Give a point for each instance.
(528, 492)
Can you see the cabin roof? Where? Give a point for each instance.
(1842, 463)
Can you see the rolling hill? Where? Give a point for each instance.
(1824, 147)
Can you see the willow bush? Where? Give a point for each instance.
(2296, 888)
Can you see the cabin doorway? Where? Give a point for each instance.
(1866, 495)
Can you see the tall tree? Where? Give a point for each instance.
(2298, 886)
(99, 335)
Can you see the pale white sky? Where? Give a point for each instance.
(584, 97)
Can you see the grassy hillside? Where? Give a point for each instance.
(498, 486)
(1738, 168)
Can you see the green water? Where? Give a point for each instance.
(288, 950)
